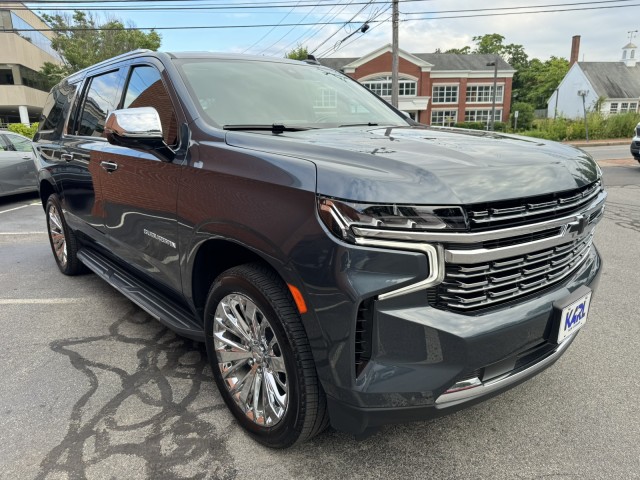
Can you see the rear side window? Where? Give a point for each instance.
(145, 89)
(55, 111)
(101, 98)
(19, 144)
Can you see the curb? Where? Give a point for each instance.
(598, 143)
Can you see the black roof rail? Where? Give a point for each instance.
(122, 56)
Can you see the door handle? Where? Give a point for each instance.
(26, 157)
(109, 166)
(67, 157)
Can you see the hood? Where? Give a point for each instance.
(428, 165)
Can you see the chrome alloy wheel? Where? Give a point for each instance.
(250, 360)
(56, 232)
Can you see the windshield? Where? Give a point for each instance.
(252, 93)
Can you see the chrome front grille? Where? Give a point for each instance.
(504, 214)
(500, 262)
(468, 287)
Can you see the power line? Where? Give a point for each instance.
(338, 45)
(358, 38)
(272, 29)
(287, 33)
(225, 6)
(607, 7)
(470, 10)
(345, 24)
(314, 33)
(192, 27)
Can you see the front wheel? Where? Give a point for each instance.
(261, 358)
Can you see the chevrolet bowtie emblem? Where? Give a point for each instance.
(578, 225)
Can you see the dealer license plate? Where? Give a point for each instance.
(573, 317)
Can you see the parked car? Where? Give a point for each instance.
(17, 169)
(635, 144)
(342, 263)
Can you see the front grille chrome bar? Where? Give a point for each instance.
(595, 206)
(465, 291)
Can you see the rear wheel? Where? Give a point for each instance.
(64, 244)
(261, 359)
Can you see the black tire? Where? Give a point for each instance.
(305, 414)
(63, 241)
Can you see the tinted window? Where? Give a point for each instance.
(146, 89)
(55, 110)
(102, 98)
(238, 92)
(3, 144)
(19, 144)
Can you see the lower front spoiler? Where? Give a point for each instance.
(362, 421)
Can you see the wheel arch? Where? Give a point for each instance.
(45, 189)
(214, 256)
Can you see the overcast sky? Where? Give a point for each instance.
(604, 31)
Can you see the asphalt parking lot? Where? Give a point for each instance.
(92, 387)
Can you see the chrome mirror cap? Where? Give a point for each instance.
(134, 123)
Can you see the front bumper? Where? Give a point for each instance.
(420, 352)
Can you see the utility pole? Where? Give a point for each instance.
(495, 86)
(394, 54)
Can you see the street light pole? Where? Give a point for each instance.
(495, 83)
(583, 94)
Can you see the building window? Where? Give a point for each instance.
(326, 98)
(444, 94)
(613, 108)
(382, 86)
(29, 33)
(445, 118)
(484, 93)
(482, 115)
(625, 107)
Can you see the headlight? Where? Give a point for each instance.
(340, 216)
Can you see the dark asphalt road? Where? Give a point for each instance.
(92, 387)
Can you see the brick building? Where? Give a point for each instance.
(435, 88)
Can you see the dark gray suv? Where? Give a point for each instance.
(343, 264)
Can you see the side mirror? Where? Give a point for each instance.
(138, 128)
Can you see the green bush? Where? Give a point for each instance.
(526, 114)
(601, 127)
(471, 125)
(22, 129)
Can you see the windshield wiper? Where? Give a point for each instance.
(274, 128)
(370, 124)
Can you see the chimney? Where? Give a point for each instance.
(575, 49)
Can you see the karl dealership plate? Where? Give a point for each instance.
(573, 317)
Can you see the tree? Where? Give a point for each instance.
(526, 114)
(540, 79)
(83, 41)
(298, 53)
(464, 50)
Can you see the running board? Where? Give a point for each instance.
(170, 314)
